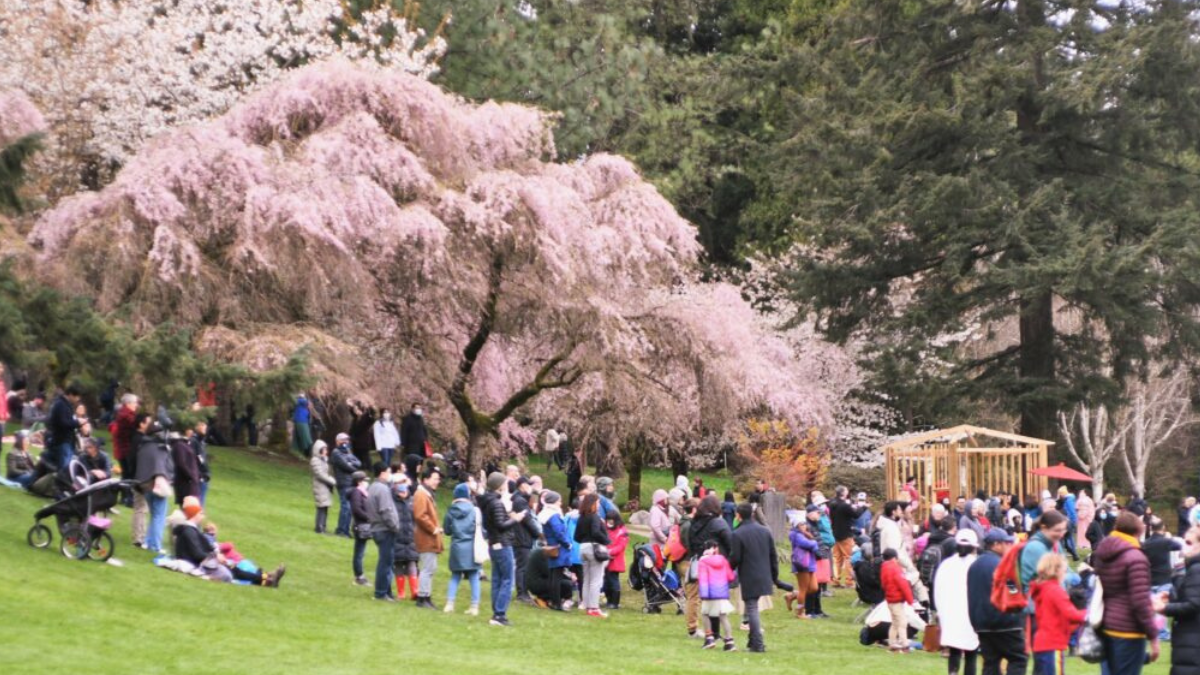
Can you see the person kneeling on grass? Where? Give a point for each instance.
(201, 551)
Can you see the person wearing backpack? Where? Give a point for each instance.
(1128, 627)
(931, 558)
(1001, 634)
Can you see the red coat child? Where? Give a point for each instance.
(618, 540)
(1057, 618)
(895, 586)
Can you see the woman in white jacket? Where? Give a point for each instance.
(387, 438)
(950, 600)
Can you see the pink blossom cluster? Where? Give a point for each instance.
(18, 117)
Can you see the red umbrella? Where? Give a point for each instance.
(1061, 471)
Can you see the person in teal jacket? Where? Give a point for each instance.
(1049, 531)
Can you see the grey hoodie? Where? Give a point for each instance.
(381, 509)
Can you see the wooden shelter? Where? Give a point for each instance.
(964, 459)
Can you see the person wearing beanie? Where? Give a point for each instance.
(427, 534)
(360, 524)
(523, 536)
(500, 524)
(460, 524)
(385, 525)
(660, 518)
(323, 484)
(192, 546)
(557, 550)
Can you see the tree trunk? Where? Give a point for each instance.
(278, 440)
(1037, 365)
(1098, 484)
(476, 449)
(633, 465)
(679, 465)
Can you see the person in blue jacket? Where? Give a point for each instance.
(1066, 504)
(558, 534)
(301, 430)
(1001, 635)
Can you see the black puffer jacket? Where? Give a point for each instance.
(1185, 609)
(496, 521)
(709, 528)
(405, 548)
(591, 530)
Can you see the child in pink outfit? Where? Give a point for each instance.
(714, 577)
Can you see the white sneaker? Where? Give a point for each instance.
(473, 610)
(449, 608)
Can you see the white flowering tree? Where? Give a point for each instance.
(110, 74)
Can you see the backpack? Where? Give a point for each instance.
(928, 563)
(1006, 582)
(675, 550)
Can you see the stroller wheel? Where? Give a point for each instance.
(39, 536)
(101, 547)
(75, 542)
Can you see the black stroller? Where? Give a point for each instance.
(83, 534)
(658, 587)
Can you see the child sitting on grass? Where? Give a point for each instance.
(714, 577)
(1056, 617)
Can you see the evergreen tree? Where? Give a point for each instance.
(959, 162)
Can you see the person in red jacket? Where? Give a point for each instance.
(618, 541)
(1057, 618)
(899, 595)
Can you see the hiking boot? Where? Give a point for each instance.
(275, 577)
(709, 642)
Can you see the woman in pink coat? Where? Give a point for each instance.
(1085, 508)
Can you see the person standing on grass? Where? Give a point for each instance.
(715, 576)
(412, 432)
(842, 516)
(404, 559)
(345, 464)
(187, 470)
(200, 449)
(385, 524)
(301, 425)
(141, 508)
(427, 534)
(322, 484)
(1182, 604)
(754, 558)
(460, 524)
(361, 525)
(804, 567)
(499, 524)
(660, 519)
(523, 536)
(155, 474)
(1128, 625)
(618, 541)
(592, 536)
(387, 437)
(950, 598)
(1001, 635)
(707, 525)
(123, 428)
(1057, 618)
(557, 550)
(67, 419)
(899, 596)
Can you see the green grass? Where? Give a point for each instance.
(58, 614)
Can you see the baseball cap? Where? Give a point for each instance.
(996, 535)
(967, 537)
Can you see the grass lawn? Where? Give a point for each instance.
(57, 614)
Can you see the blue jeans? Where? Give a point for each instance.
(452, 589)
(158, 521)
(386, 543)
(343, 525)
(63, 452)
(203, 493)
(502, 579)
(360, 551)
(386, 455)
(1123, 656)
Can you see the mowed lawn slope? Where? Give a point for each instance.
(58, 615)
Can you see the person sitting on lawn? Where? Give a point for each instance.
(201, 551)
(21, 467)
(96, 461)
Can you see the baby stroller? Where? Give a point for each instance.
(658, 587)
(83, 534)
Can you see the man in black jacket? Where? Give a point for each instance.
(64, 421)
(500, 526)
(757, 565)
(412, 432)
(842, 515)
(523, 538)
(1001, 635)
(200, 449)
(344, 465)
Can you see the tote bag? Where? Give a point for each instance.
(481, 547)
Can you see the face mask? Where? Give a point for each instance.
(387, 417)
(418, 412)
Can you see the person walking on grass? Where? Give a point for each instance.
(592, 536)
(427, 534)
(1182, 603)
(1001, 635)
(345, 465)
(1057, 618)
(899, 596)
(322, 484)
(360, 523)
(715, 576)
(499, 524)
(385, 524)
(460, 525)
(707, 525)
(754, 558)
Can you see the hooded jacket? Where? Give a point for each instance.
(985, 618)
(1184, 607)
(459, 524)
(1057, 618)
(154, 459)
(1125, 573)
(405, 548)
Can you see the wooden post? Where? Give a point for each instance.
(774, 507)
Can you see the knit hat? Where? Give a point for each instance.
(495, 480)
(551, 497)
(603, 482)
(191, 506)
(1062, 490)
(659, 496)
(462, 491)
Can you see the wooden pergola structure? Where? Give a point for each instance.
(964, 459)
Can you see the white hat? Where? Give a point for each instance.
(967, 537)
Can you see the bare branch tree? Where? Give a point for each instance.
(1158, 408)
(1092, 440)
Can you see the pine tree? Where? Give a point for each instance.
(975, 161)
